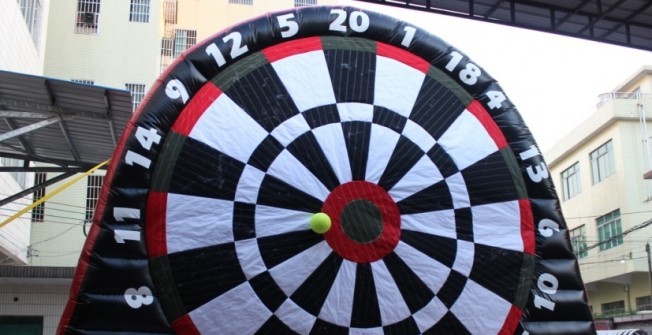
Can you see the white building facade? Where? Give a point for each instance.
(599, 174)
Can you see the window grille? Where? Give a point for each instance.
(303, 3)
(242, 2)
(88, 13)
(183, 39)
(170, 11)
(578, 241)
(644, 303)
(570, 181)
(38, 212)
(602, 162)
(610, 231)
(93, 187)
(83, 81)
(139, 11)
(611, 308)
(32, 10)
(137, 94)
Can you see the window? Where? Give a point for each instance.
(616, 307)
(644, 303)
(170, 11)
(602, 162)
(88, 12)
(137, 94)
(83, 81)
(38, 212)
(31, 10)
(242, 2)
(23, 325)
(139, 11)
(610, 232)
(183, 39)
(93, 187)
(578, 241)
(570, 181)
(302, 3)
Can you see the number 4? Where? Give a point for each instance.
(147, 137)
(496, 99)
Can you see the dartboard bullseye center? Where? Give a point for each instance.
(365, 221)
(362, 221)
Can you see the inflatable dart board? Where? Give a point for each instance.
(327, 170)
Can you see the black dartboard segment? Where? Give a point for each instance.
(415, 154)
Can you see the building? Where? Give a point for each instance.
(599, 170)
(122, 44)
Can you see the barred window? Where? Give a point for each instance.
(83, 81)
(139, 11)
(38, 212)
(242, 2)
(93, 187)
(137, 94)
(32, 11)
(303, 3)
(170, 11)
(183, 39)
(88, 13)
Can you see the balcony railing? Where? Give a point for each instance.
(607, 97)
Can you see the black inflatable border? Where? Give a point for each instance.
(105, 270)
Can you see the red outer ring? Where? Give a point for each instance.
(348, 248)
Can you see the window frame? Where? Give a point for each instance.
(610, 230)
(571, 177)
(578, 241)
(613, 311)
(644, 303)
(602, 162)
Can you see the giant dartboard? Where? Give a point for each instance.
(443, 218)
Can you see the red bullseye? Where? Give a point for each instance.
(365, 221)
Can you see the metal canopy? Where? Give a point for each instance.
(73, 126)
(621, 22)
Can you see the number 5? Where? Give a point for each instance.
(291, 28)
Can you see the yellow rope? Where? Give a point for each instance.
(53, 193)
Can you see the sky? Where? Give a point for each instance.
(553, 80)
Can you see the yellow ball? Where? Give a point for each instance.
(320, 223)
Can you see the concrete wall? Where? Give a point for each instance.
(121, 51)
(46, 298)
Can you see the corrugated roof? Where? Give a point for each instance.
(58, 121)
(621, 22)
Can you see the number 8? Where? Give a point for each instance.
(137, 298)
